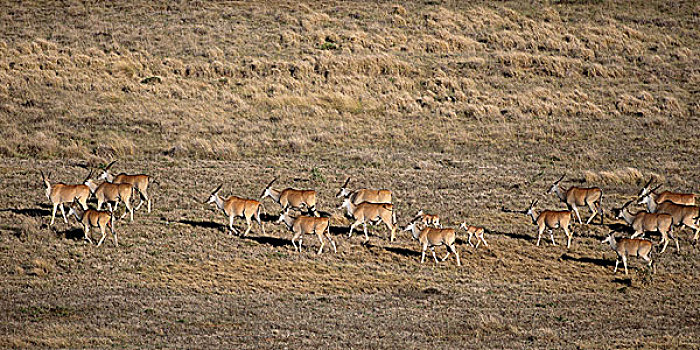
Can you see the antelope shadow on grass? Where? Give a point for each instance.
(587, 260)
(273, 241)
(33, 212)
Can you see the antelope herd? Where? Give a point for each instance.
(664, 211)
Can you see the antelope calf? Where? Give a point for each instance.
(307, 224)
(427, 219)
(94, 218)
(683, 215)
(138, 181)
(109, 193)
(237, 207)
(364, 194)
(372, 213)
(430, 237)
(474, 231)
(667, 196)
(291, 198)
(574, 197)
(60, 193)
(550, 219)
(625, 247)
(642, 222)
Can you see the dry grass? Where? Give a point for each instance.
(461, 108)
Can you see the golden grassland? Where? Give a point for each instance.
(461, 108)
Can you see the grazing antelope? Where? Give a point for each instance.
(291, 198)
(94, 218)
(474, 231)
(237, 207)
(60, 193)
(108, 192)
(683, 215)
(430, 237)
(371, 212)
(642, 222)
(307, 224)
(138, 181)
(364, 194)
(667, 196)
(629, 247)
(550, 219)
(427, 219)
(577, 196)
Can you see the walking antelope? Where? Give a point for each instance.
(138, 181)
(291, 198)
(629, 247)
(642, 222)
(364, 194)
(685, 215)
(94, 218)
(474, 231)
(430, 237)
(307, 224)
(427, 219)
(667, 196)
(237, 207)
(371, 212)
(550, 219)
(60, 193)
(108, 192)
(577, 196)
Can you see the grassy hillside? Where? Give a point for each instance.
(461, 108)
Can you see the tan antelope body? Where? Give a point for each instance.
(427, 219)
(474, 231)
(234, 207)
(551, 219)
(642, 222)
(61, 193)
(292, 198)
(430, 237)
(139, 182)
(109, 193)
(95, 218)
(308, 225)
(372, 213)
(625, 247)
(683, 215)
(667, 196)
(364, 194)
(574, 197)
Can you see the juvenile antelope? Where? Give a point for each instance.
(372, 213)
(60, 193)
(550, 219)
(474, 231)
(427, 219)
(642, 222)
(625, 247)
(683, 215)
(291, 198)
(94, 218)
(307, 224)
(138, 181)
(364, 194)
(574, 197)
(430, 237)
(667, 196)
(109, 193)
(237, 207)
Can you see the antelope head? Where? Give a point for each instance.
(46, 183)
(414, 230)
(106, 176)
(267, 191)
(555, 185)
(89, 183)
(618, 212)
(283, 217)
(647, 197)
(645, 190)
(214, 195)
(531, 211)
(344, 192)
(346, 203)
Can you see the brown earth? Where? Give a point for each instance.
(462, 109)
